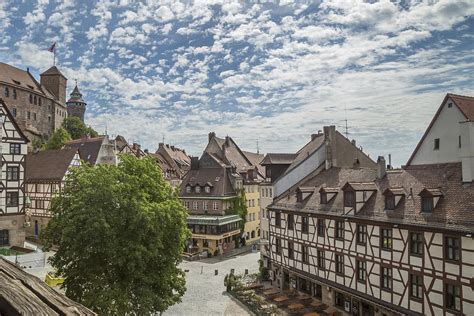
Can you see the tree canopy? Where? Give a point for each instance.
(58, 139)
(121, 231)
(77, 129)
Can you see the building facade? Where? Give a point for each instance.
(173, 161)
(45, 176)
(210, 191)
(95, 150)
(38, 107)
(13, 149)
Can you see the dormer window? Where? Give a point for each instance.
(198, 189)
(393, 196)
(327, 194)
(390, 202)
(303, 192)
(207, 189)
(349, 199)
(427, 204)
(429, 199)
(188, 189)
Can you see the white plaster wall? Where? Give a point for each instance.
(302, 170)
(447, 129)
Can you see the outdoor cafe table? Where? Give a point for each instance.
(280, 299)
(271, 291)
(295, 307)
(312, 314)
(317, 304)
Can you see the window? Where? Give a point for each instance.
(12, 173)
(188, 189)
(452, 248)
(386, 278)
(321, 260)
(304, 254)
(349, 199)
(459, 141)
(386, 238)
(207, 189)
(39, 101)
(270, 192)
(339, 231)
(305, 224)
(14, 112)
(31, 98)
(339, 300)
(416, 286)
(339, 264)
(278, 245)
(416, 244)
(205, 205)
(4, 237)
(361, 270)
(7, 92)
(324, 198)
(14, 94)
(436, 144)
(195, 205)
(12, 198)
(390, 202)
(291, 222)
(15, 149)
(215, 206)
(452, 295)
(186, 204)
(426, 204)
(361, 234)
(198, 189)
(318, 291)
(290, 250)
(28, 115)
(321, 227)
(277, 219)
(34, 116)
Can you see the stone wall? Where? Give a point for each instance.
(14, 224)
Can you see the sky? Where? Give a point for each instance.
(267, 73)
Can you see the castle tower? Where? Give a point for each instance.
(55, 82)
(76, 105)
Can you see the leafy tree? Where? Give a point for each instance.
(38, 143)
(58, 139)
(121, 231)
(77, 129)
(240, 207)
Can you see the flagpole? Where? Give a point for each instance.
(54, 56)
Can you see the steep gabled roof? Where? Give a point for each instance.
(52, 71)
(278, 159)
(48, 164)
(465, 104)
(89, 148)
(12, 119)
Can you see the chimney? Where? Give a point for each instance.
(194, 163)
(211, 136)
(330, 144)
(227, 141)
(467, 151)
(313, 136)
(161, 145)
(389, 161)
(381, 167)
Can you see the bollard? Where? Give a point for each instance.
(246, 271)
(232, 271)
(201, 269)
(216, 272)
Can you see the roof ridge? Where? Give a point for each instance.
(461, 96)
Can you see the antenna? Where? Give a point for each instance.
(258, 150)
(345, 126)
(163, 139)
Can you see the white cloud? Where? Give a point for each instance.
(164, 13)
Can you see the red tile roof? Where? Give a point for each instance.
(48, 164)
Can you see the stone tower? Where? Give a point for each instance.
(76, 105)
(55, 82)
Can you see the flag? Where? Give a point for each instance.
(51, 49)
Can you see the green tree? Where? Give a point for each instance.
(77, 129)
(58, 139)
(240, 207)
(121, 231)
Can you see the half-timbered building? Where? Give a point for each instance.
(45, 176)
(13, 149)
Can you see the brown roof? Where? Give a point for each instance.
(48, 164)
(453, 211)
(89, 148)
(24, 294)
(465, 104)
(255, 159)
(52, 71)
(278, 159)
(210, 172)
(18, 77)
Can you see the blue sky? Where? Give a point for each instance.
(273, 72)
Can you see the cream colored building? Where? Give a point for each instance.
(252, 224)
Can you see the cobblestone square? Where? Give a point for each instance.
(206, 293)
